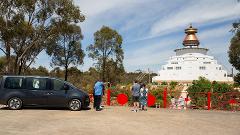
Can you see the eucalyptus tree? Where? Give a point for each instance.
(107, 46)
(27, 25)
(234, 52)
(66, 48)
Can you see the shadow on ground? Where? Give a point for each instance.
(43, 108)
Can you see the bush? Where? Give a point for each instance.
(237, 79)
(155, 83)
(198, 92)
(164, 83)
(173, 85)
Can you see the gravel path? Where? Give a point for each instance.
(118, 121)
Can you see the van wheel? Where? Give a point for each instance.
(15, 103)
(75, 105)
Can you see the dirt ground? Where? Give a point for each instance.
(118, 121)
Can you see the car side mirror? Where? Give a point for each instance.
(66, 87)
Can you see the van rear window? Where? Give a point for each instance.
(13, 83)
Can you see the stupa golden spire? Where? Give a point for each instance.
(190, 38)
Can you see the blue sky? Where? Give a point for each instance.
(152, 29)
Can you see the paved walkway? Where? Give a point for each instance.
(118, 121)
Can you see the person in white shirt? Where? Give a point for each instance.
(181, 102)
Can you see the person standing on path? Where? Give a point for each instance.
(135, 95)
(143, 97)
(173, 104)
(181, 102)
(98, 93)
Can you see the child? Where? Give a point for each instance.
(181, 102)
(143, 97)
(173, 103)
(176, 103)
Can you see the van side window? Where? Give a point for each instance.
(37, 83)
(58, 84)
(13, 83)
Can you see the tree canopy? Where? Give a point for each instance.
(66, 48)
(234, 51)
(107, 50)
(26, 26)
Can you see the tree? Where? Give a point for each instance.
(41, 71)
(27, 25)
(2, 64)
(107, 46)
(237, 79)
(234, 51)
(66, 49)
(114, 71)
(57, 72)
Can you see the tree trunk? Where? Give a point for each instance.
(20, 68)
(16, 65)
(66, 73)
(103, 69)
(8, 57)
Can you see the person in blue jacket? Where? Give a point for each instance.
(98, 93)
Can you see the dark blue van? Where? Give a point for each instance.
(19, 91)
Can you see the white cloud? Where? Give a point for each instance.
(150, 58)
(93, 8)
(222, 31)
(196, 12)
(151, 54)
(148, 20)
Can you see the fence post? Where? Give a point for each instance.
(209, 100)
(165, 98)
(108, 97)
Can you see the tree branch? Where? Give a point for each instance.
(3, 51)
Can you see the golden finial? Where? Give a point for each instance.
(190, 38)
(190, 26)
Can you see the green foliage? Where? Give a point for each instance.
(201, 85)
(27, 27)
(117, 91)
(158, 93)
(66, 48)
(114, 71)
(107, 50)
(237, 79)
(234, 51)
(199, 88)
(221, 87)
(40, 71)
(56, 72)
(155, 83)
(236, 26)
(173, 85)
(164, 83)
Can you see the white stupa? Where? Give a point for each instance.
(191, 62)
